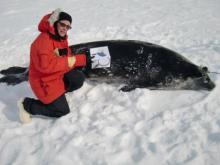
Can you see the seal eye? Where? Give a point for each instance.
(205, 69)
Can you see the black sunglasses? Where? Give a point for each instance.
(68, 27)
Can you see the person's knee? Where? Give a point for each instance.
(74, 80)
(78, 78)
(62, 112)
(66, 111)
(60, 106)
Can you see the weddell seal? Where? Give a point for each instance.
(136, 64)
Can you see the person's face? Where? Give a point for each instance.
(62, 27)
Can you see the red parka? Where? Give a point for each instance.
(46, 70)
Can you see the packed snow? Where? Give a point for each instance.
(107, 126)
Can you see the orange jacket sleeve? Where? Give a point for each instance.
(80, 60)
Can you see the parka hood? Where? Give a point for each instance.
(44, 26)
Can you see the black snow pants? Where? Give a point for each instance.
(73, 80)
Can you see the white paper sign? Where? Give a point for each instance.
(100, 57)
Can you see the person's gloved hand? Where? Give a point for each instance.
(63, 52)
(54, 16)
(71, 61)
(60, 52)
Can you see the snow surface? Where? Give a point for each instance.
(106, 126)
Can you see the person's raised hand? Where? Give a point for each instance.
(54, 16)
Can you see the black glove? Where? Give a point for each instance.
(63, 52)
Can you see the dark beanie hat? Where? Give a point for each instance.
(65, 16)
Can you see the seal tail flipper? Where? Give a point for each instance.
(14, 70)
(14, 75)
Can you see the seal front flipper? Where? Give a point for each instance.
(128, 88)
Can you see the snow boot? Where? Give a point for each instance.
(25, 117)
